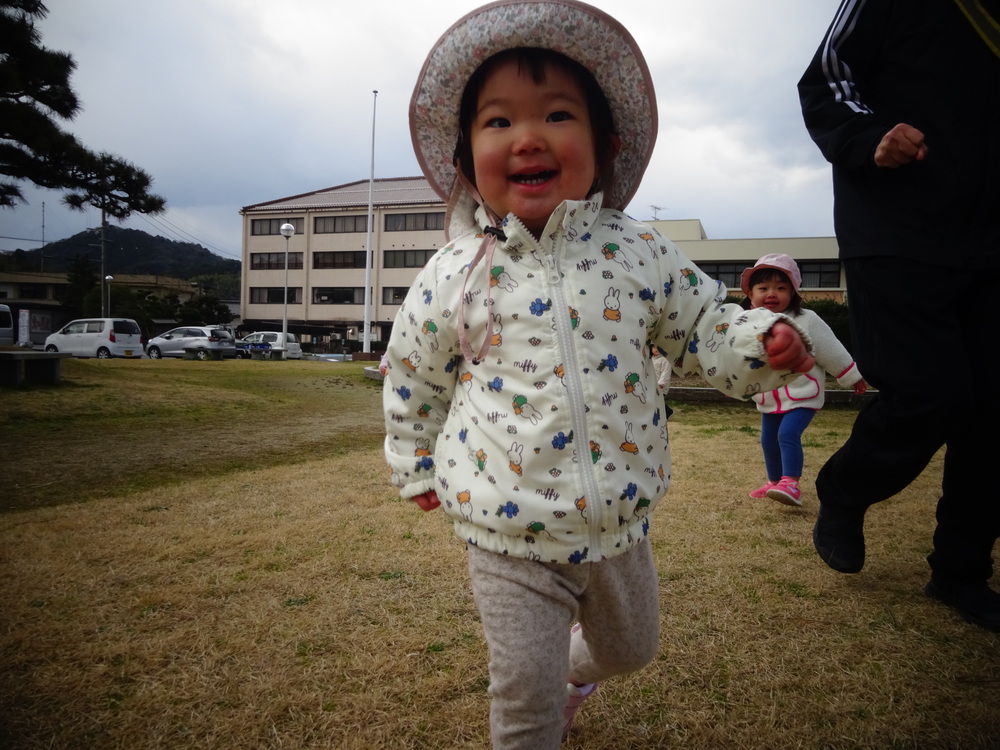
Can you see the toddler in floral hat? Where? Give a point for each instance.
(520, 395)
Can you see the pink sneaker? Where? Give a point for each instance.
(575, 696)
(761, 492)
(786, 491)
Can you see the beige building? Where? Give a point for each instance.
(822, 274)
(327, 257)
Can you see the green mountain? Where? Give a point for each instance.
(127, 251)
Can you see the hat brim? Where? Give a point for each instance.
(579, 31)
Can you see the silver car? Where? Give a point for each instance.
(206, 341)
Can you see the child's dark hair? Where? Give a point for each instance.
(767, 274)
(535, 60)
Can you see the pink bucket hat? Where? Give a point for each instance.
(579, 31)
(779, 261)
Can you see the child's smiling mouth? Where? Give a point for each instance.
(535, 178)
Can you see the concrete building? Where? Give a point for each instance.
(42, 294)
(327, 257)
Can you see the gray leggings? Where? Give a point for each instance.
(527, 608)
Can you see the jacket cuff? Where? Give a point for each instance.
(801, 331)
(418, 488)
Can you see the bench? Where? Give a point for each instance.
(191, 352)
(30, 367)
(268, 353)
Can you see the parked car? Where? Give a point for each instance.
(203, 338)
(274, 340)
(7, 331)
(103, 338)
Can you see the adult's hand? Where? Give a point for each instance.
(901, 145)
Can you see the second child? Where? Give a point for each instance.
(773, 284)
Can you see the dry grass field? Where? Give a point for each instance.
(208, 555)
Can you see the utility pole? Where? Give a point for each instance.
(104, 296)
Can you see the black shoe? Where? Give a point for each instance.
(976, 602)
(839, 537)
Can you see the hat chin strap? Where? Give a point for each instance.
(486, 248)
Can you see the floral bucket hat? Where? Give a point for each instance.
(577, 30)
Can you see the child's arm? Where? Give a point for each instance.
(832, 355)
(418, 388)
(739, 352)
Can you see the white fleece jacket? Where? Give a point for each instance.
(809, 390)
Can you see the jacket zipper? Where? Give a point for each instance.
(578, 418)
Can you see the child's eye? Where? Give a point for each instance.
(498, 122)
(559, 117)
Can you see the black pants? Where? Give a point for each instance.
(927, 338)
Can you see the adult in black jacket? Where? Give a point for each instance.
(903, 98)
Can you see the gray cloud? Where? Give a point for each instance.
(232, 102)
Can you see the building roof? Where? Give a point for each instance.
(385, 192)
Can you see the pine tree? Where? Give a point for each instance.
(35, 93)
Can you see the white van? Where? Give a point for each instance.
(103, 338)
(7, 336)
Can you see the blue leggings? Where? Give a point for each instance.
(781, 439)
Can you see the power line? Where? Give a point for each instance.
(21, 239)
(159, 221)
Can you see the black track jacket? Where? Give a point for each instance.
(921, 62)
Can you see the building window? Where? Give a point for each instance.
(340, 224)
(273, 226)
(338, 295)
(727, 273)
(33, 291)
(275, 295)
(355, 259)
(394, 295)
(406, 258)
(414, 222)
(815, 274)
(274, 261)
(820, 274)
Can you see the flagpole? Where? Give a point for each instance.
(367, 341)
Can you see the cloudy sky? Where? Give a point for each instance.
(227, 103)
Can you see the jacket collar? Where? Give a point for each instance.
(570, 220)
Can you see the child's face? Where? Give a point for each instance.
(532, 144)
(775, 293)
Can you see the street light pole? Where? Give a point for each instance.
(287, 230)
(367, 346)
(108, 280)
(104, 299)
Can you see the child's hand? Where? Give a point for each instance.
(786, 350)
(860, 387)
(427, 501)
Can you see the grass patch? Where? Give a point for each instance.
(120, 426)
(242, 575)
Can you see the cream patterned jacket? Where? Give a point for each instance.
(554, 447)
